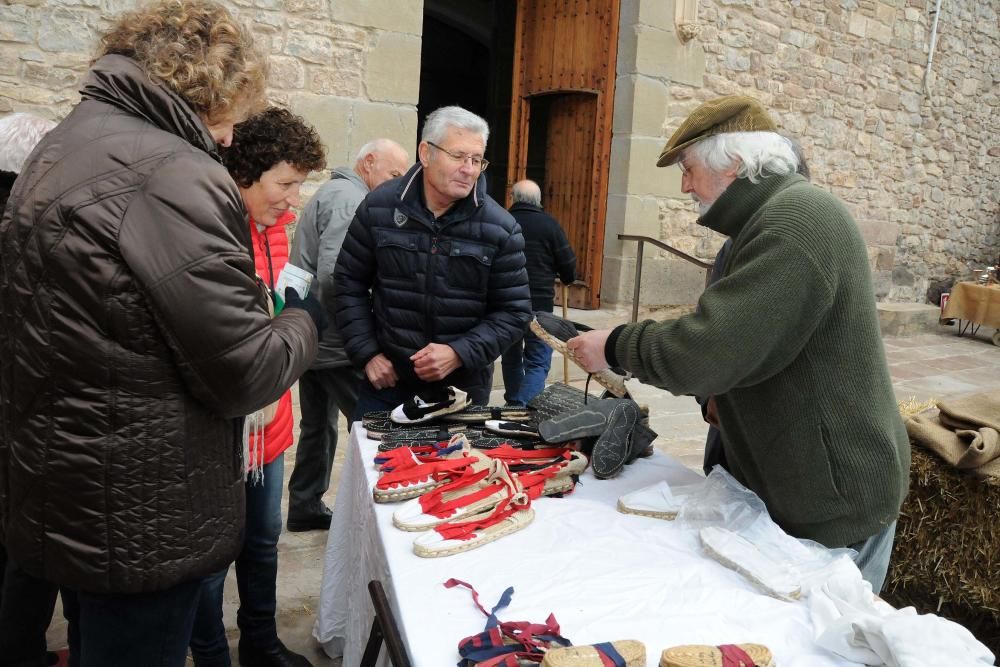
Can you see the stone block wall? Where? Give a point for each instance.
(918, 168)
(350, 67)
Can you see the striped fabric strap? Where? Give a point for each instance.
(609, 656)
(734, 656)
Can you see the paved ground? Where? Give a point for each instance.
(922, 367)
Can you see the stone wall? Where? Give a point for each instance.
(349, 67)
(919, 169)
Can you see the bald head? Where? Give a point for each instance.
(527, 192)
(380, 160)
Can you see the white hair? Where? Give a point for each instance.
(377, 146)
(758, 154)
(19, 133)
(439, 120)
(527, 192)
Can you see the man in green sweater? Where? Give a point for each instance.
(787, 340)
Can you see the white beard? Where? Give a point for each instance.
(703, 206)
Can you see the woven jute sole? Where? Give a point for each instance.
(405, 492)
(634, 653)
(611, 381)
(666, 516)
(511, 524)
(702, 655)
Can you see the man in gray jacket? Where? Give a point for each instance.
(330, 386)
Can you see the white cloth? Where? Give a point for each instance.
(851, 622)
(605, 575)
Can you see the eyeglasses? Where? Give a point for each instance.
(477, 162)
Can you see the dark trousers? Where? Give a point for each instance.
(256, 577)
(323, 395)
(25, 612)
(129, 629)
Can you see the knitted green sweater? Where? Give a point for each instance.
(788, 342)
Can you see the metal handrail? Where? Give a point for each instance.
(642, 240)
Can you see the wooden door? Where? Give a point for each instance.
(563, 87)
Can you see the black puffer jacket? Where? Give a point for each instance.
(458, 280)
(133, 334)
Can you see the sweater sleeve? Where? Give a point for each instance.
(748, 326)
(188, 251)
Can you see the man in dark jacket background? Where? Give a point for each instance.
(330, 386)
(547, 254)
(430, 284)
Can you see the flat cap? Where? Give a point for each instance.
(733, 113)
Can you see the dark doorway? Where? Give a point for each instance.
(467, 59)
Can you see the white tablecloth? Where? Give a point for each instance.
(605, 576)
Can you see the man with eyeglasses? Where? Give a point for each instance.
(431, 285)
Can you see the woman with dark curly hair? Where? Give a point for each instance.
(134, 336)
(270, 157)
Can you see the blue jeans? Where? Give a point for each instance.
(256, 577)
(127, 629)
(525, 367)
(873, 556)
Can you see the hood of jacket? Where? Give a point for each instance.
(118, 81)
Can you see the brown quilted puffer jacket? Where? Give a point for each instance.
(133, 335)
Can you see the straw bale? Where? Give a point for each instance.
(946, 557)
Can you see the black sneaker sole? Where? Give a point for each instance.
(611, 450)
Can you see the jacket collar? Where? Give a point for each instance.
(348, 173)
(741, 201)
(118, 81)
(524, 206)
(411, 199)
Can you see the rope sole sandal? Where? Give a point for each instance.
(555, 331)
(658, 501)
(739, 554)
(434, 403)
(726, 655)
(417, 478)
(477, 414)
(452, 537)
(622, 653)
(473, 492)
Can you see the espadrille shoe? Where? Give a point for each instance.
(516, 429)
(555, 331)
(738, 553)
(727, 655)
(658, 501)
(434, 403)
(473, 492)
(622, 653)
(375, 416)
(418, 478)
(477, 414)
(510, 515)
(414, 437)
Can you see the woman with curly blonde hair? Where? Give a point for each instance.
(136, 334)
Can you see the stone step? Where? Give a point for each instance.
(908, 319)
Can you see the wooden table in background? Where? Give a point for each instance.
(975, 305)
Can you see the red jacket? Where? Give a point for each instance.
(277, 434)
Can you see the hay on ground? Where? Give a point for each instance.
(946, 557)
